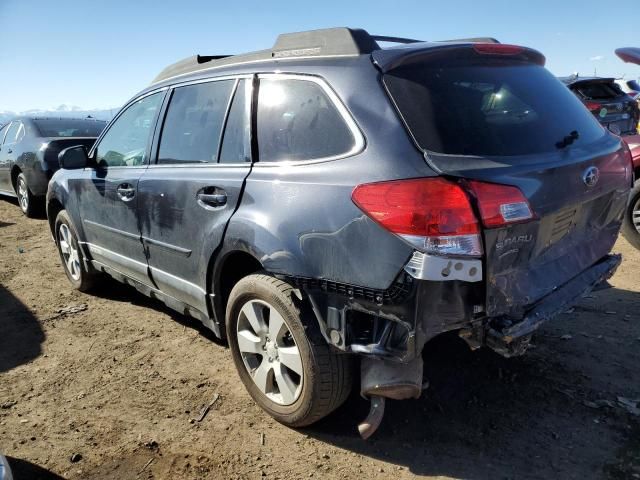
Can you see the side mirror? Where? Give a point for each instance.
(74, 158)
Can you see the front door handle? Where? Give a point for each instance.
(9, 151)
(126, 192)
(212, 199)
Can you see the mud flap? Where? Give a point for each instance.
(508, 339)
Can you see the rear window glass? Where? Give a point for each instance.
(192, 128)
(598, 91)
(69, 128)
(297, 121)
(497, 109)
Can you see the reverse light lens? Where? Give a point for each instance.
(500, 205)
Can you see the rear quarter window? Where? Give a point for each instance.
(487, 109)
(296, 120)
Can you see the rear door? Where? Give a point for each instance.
(190, 192)
(106, 197)
(500, 117)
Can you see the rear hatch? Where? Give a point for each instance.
(613, 108)
(493, 113)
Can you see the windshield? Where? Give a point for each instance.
(496, 109)
(69, 127)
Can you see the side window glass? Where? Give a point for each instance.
(296, 120)
(125, 143)
(10, 139)
(236, 143)
(193, 123)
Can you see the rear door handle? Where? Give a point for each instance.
(9, 151)
(212, 199)
(126, 192)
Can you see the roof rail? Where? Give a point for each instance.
(340, 41)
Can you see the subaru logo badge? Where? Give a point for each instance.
(590, 176)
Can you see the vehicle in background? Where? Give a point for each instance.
(29, 148)
(613, 108)
(5, 470)
(350, 209)
(631, 224)
(630, 87)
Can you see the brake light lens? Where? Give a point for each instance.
(432, 214)
(500, 205)
(497, 49)
(593, 106)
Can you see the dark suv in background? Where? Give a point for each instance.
(29, 148)
(327, 201)
(604, 98)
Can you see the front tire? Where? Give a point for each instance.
(284, 363)
(73, 261)
(631, 222)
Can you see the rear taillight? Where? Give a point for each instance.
(500, 205)
(593, 106)
(432, 214)
(497, 49)
(435, 215)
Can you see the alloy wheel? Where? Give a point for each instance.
(269, 352)
(635, 215)
(23, 194)
(69, 251)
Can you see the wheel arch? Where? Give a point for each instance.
(15, 171)
(54, 207)
(226, 269)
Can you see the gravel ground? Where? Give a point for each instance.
(107, 386)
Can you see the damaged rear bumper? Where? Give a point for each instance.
(395, 325)
(507, 339)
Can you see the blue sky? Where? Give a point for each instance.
(97, 54)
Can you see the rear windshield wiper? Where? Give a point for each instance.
(568, 140)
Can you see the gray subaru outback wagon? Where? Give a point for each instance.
(328, 204)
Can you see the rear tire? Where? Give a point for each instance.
(631, 222)
(29, 203)
(324, 377)
(83, 278)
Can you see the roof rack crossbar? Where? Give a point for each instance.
(383, 38)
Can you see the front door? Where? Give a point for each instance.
(107, 195)
(187, 197)
(7, 143)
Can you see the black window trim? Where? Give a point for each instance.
(148, 149)
(163, 113)
(359, 143)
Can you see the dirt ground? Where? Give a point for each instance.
(108, 386)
